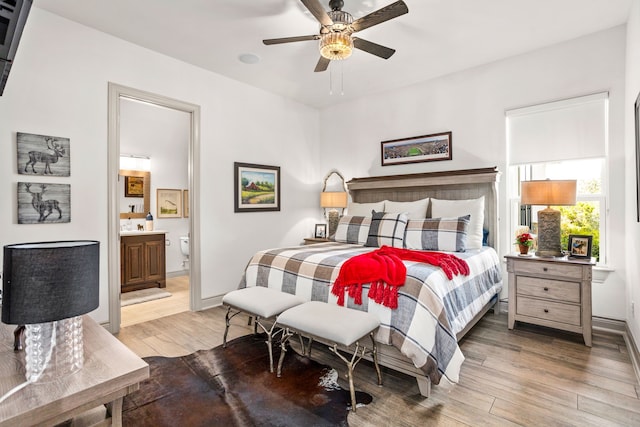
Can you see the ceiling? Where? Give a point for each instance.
(435, 38)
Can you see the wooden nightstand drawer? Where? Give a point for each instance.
(548, 310)
(548, 288)
(548, 269)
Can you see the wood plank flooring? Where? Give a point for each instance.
(530, 376)
(178, 302)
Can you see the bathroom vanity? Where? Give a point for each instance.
(142, 260)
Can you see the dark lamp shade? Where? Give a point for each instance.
(49, 281)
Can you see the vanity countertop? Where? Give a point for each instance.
(141, 233)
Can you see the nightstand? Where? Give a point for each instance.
(552, 292)
(314, 240)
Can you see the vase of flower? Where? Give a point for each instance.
(524, 242)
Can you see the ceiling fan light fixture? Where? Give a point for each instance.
(341, 20)
(336, 46)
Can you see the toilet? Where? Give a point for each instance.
(184, 245)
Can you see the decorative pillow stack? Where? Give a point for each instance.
(438, 234)
(387, 229)
(353, 229)
(457, 208)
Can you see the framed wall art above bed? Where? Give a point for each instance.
(426, 148)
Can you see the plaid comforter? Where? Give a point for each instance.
(431, 309)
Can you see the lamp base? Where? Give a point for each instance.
(46, 363)
(334, 219)
(549, 233)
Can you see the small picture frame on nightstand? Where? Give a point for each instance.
(321, 231)
(579, 246)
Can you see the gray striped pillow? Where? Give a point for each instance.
(438, 234)
(387, 229)
(353, 229)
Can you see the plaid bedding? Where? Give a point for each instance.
(431, 308)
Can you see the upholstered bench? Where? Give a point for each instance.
(261, 303)
(335, 325)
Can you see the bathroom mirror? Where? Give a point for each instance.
(135, 190)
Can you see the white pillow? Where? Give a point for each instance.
(364, 209)
(414, 210)
(456, 208)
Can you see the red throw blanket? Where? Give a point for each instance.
(384, 269)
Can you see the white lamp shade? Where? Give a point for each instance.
(548, 192)
(333, 199)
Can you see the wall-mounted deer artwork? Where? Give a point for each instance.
(43, 203)
(43, 155)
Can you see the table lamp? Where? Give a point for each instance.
(47, 286)
(548, 193)
(333, 200)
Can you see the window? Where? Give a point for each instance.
(562, 140)
(587, 217)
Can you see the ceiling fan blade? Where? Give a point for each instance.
(379, 16)
(373, 48)
(291, 39)
(322, 65)
(318, 11)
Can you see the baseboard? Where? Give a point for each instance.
(634, 354)
(211, 302)
(178, 273)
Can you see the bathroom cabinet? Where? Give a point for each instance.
(142, 261)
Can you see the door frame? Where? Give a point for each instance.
(116, 92)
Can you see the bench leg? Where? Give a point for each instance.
(374, 356)
(286, 334)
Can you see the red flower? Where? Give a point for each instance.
(524, 239)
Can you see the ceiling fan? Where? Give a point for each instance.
(337, 28)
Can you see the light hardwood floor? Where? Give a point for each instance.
(529, 376)
(178, 302)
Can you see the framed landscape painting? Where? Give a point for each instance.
(426, 148)
(256, 187)
(169, 203)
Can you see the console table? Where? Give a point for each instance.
(110, 372)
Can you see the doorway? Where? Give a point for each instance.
(121, 99)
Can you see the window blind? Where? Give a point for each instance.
(573, 128)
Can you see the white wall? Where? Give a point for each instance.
(163, 135)
(471, 104)
(632, 237)
(58, 86)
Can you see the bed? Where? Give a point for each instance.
(419, 337)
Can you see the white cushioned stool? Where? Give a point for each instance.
(261, 303)
(335, 325)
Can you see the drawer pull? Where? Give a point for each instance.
(546, 310)
(546, 289)
(544, 269)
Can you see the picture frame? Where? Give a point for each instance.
(185, 203)
(417, 149)
(43, 155)
(43, 203)
(256, 187)
(636, 109)
(133, 186)
(169, 203)
(321, 231)
(579, 246)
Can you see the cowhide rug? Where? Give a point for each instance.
(233, 387)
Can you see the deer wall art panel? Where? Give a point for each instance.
(43, 155)
(43, 203)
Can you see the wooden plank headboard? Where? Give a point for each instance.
(450, 185)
